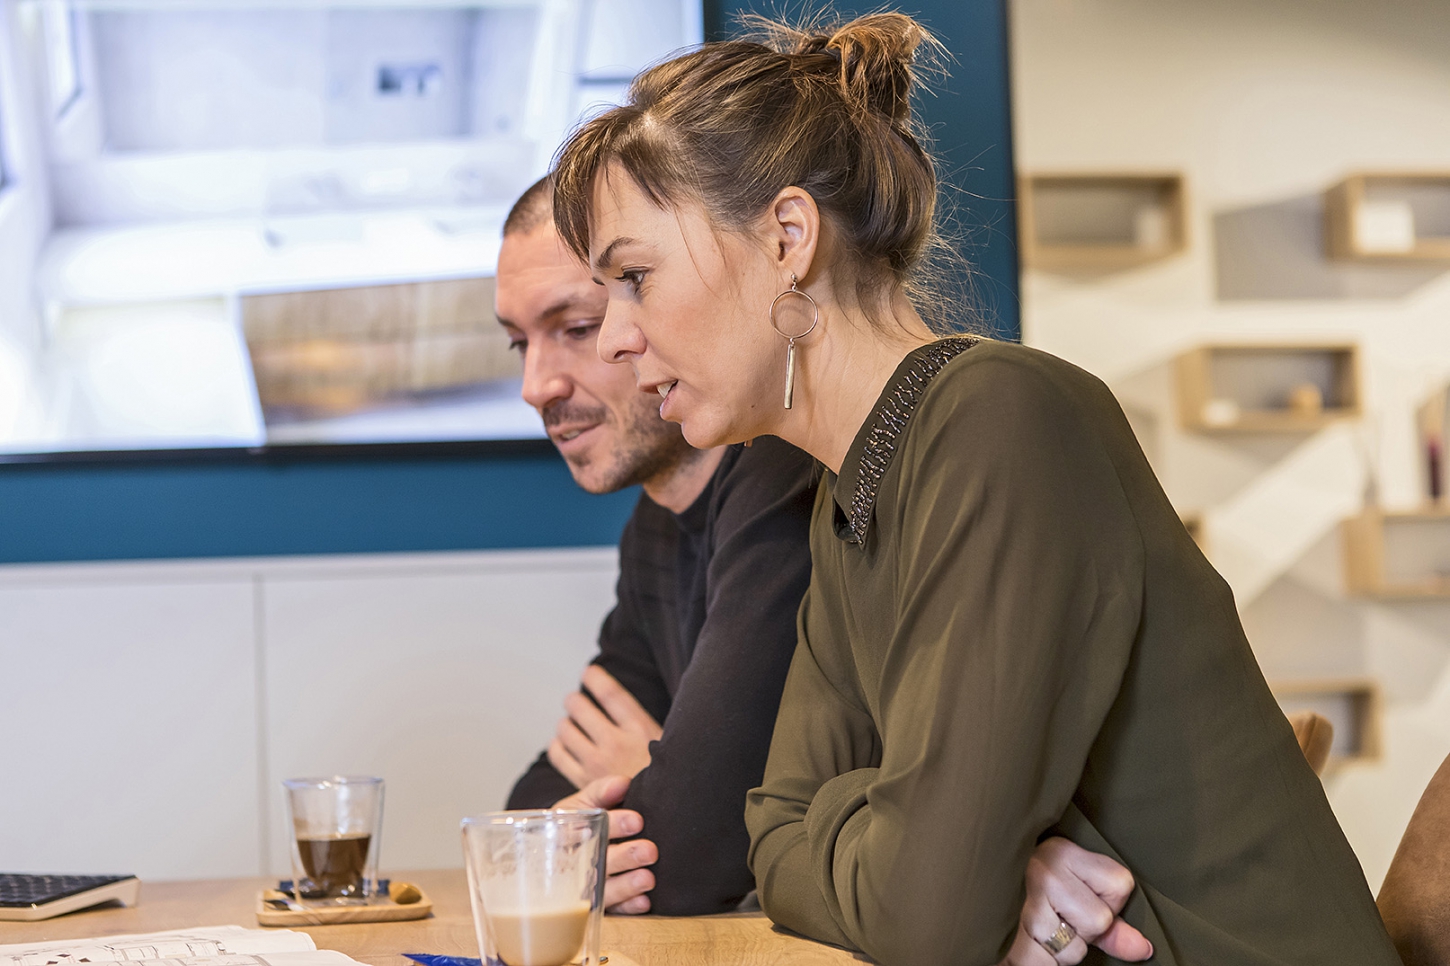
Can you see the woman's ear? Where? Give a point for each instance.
(794, 230)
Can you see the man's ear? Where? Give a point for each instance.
(794, 230)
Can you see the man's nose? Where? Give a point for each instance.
(620, 340)
(545, 380)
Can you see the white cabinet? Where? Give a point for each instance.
(132, 743)
(159, 705)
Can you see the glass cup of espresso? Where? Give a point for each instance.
(536, 881)
(337, 824)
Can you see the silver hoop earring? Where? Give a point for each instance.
(790, 339)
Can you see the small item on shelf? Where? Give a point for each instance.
(1433, 419)
(1384, 227)
(1306, 399)
(1435, 469)
(1388, 216)
(1220, 412)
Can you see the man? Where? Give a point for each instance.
(673, 724)
(701, 681)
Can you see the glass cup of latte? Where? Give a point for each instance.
(536, 881)
(337, 824)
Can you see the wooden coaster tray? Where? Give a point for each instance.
(405, 901)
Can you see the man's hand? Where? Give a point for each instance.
(628, 879)
(1068, 884)
(590, 744)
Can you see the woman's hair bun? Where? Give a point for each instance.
(873, 57)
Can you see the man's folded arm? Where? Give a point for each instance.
(717, 736)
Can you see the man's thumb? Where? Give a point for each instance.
(605, 792)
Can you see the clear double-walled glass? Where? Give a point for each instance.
(337, 826)
(536, 881)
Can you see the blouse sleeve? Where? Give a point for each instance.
(1017, 593)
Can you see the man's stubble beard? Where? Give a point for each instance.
(647, 448)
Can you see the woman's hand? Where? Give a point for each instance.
(1068, 884)
(628, 880)
(590, 744)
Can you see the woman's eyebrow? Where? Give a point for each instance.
(606, 257)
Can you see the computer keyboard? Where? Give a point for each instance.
(25, 896)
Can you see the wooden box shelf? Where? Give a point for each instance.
(1267, 388)
(1101, 222)
(1402, 555)
(1353, 706)
(1389, 217)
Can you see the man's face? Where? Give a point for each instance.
(609, 432)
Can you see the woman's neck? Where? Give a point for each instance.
(840, 375)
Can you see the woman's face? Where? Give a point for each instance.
(689, 311)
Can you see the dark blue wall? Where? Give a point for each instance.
(241, 506)
(131, 510)
(971, 120)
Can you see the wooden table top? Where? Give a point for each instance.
(737, 939)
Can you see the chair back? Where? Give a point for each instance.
(1415, 898)
(1315, 733)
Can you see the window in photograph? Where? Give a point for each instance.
(58, 25)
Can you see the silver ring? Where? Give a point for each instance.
(1060, 939)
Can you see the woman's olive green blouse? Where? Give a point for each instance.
(1009, 633)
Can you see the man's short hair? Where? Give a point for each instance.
(534, 207)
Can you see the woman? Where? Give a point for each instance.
(1008, 632)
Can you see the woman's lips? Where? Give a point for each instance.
(665, 390)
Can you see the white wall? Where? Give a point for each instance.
(1263, 106)
(218, 79)
(158, 706)
(25, 217)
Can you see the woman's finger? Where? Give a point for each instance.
(1027, 951)
(1100, 873)
(1045, 926)
(1122, 941)
(1053, 894)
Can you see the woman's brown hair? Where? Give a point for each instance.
(730, 124)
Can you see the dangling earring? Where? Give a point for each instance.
(790, 339)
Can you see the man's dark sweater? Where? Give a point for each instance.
(702, 635)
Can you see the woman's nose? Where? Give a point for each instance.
(620, 339)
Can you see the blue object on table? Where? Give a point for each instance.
(286, 885)
(428, 959)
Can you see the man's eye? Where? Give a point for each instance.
(580, 332)
(518, 345)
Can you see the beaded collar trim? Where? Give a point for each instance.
(890, 421)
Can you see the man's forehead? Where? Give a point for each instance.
(538, 262)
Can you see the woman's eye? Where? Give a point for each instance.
(633, 277)
(518, 345)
